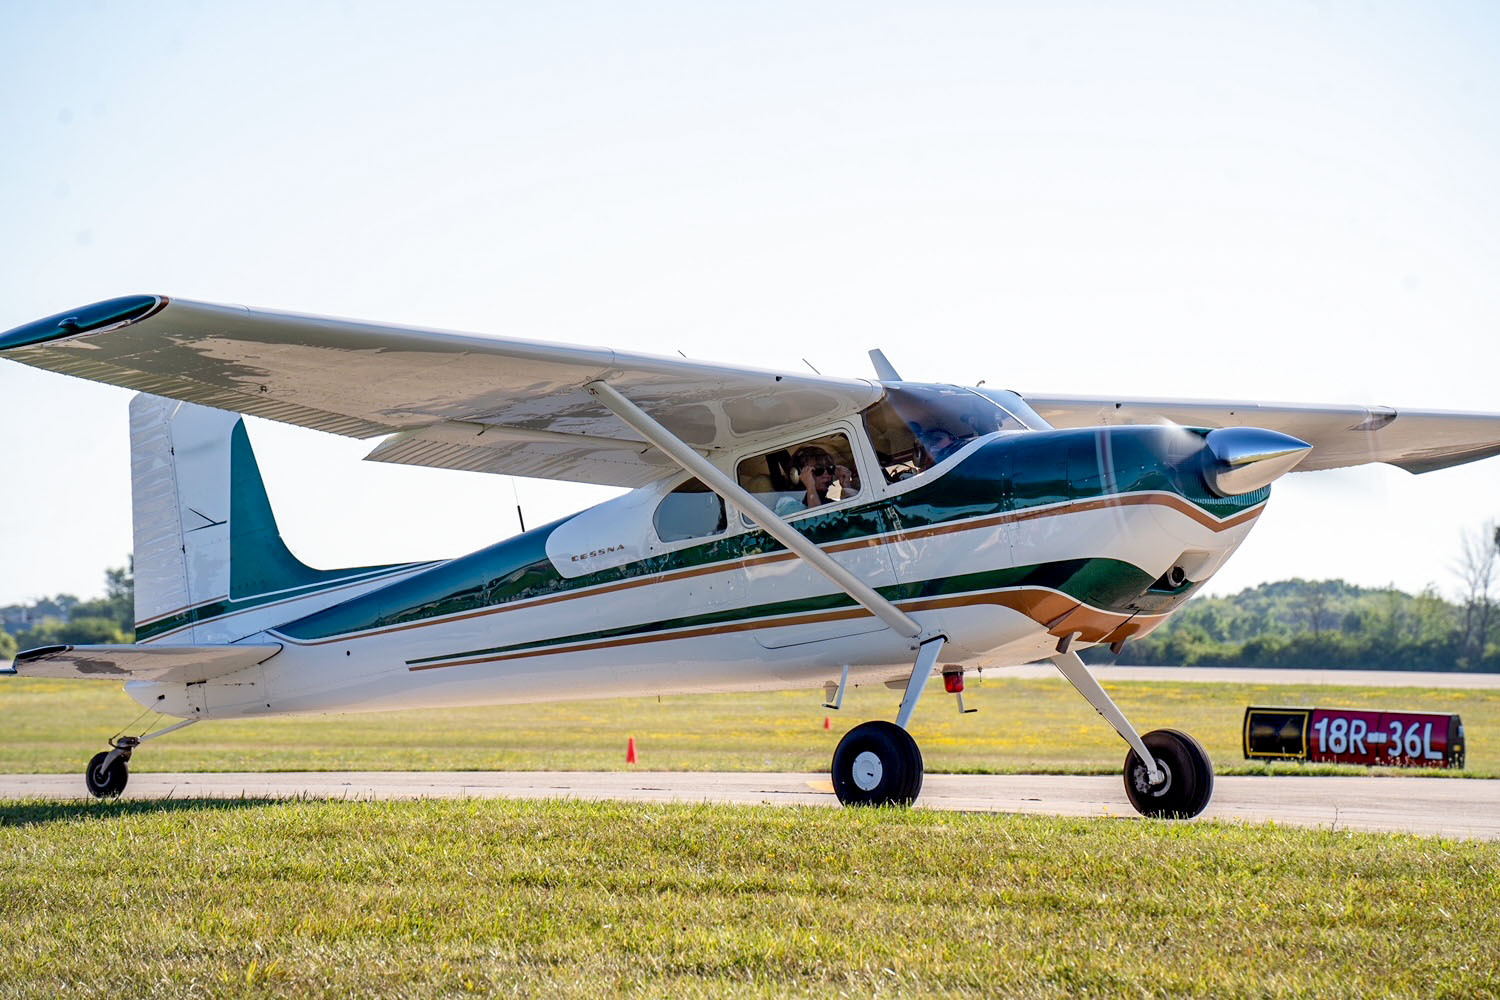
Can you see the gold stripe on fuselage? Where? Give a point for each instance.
(1096, 624)
(1169, 500)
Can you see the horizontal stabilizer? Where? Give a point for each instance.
(177, 664)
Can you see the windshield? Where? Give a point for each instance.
(1016, 407)
(914, 428)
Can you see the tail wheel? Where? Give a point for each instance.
(877, 764)
(106, 782)
(1189, 774)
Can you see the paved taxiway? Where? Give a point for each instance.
(1447, 806)
(1454, 807)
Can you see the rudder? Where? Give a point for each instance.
(179, 487)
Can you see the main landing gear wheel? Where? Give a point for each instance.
(877, 764)
(1189, 774)
(106, 782)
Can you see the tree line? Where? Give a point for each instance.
(65, 619)
(1322, 624)
(1331, 624)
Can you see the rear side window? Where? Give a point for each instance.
(691, 510)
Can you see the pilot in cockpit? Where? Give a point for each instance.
(937, 444)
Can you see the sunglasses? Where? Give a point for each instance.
(822, 470)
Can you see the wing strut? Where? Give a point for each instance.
(639, 421)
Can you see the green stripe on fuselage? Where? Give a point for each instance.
(262, 570)
(1007, 474)
(1087, 580)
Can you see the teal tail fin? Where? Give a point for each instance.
(207, 548)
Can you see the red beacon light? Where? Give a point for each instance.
(953, 681)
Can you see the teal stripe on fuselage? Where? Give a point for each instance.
(1108, 584)
(1010, 473)
(262, 570)
(213, 610)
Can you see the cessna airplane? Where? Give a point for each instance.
(784, 529)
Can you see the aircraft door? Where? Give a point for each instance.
(823, 486)
(952, 536)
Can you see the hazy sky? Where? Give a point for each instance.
(1275, 201)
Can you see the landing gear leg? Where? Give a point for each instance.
(109, 770)
(878, 763)
(1167, 773)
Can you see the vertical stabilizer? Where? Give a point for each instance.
(210, 564)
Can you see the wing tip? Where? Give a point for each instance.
(37, 653)
(95, 318)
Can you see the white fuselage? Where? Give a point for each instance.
(761, 621)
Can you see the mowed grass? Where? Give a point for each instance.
(439, 898)
(1022, 726)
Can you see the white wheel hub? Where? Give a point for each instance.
(867, 771)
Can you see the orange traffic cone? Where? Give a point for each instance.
(630, 751)
(827, 722)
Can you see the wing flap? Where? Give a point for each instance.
(177, 664)
(539, 454)
(1341, 436)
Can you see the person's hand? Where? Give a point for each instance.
(817, 477)
(843, 483)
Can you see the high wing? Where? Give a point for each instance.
(1414, 440)
(450, 400)
(180, 664)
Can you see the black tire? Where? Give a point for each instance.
(106, 784)
(877, 764)
(1190, 776)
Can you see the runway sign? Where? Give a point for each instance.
(1354, 736)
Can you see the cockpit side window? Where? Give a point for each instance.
(914, 428)
(804, 475)
(691, 510)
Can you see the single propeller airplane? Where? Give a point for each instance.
(783, 529)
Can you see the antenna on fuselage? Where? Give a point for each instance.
(515, 492)
(883, 369)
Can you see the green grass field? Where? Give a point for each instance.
(443, 898)
(1022, 725)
